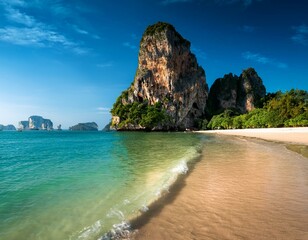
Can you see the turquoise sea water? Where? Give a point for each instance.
(80, 185)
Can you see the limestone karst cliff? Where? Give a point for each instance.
(36, 123)
(169, 91)
(241, 94)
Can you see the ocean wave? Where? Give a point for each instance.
(119, 231)
(89, 231)
(123, 229)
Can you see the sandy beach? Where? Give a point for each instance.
(289, 135)
(242, 188)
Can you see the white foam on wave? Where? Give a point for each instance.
(119, 231)
(126, 202)
(116, 213)
(181, 168)
(144, 208)
(90, 230)
(164, 181)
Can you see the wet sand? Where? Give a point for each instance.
(240, 189)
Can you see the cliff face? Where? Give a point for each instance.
(241, 93)
(36, 123)
(169, 78)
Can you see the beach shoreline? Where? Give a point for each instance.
(240, 185)
(297, 135)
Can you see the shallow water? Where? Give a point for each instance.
(241, 189)
(78, 185)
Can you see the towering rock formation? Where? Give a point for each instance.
(241, 94)
(36, 123)
(169, 86)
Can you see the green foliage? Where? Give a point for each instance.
(288, 109)
(201, 124)
(137, 113)
(222, 121)
(157, 28)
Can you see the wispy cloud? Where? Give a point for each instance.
(31, 32)
(13, 2)
(38, 37)
(16, 16)
(301, 34)
(84, 32)
(103, 110)
(167, 2)
(199, 52)
(130, 45)
(256, 57)
(79, 30)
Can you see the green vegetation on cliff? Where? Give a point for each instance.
(157, 28)
(288, 109)
(136, 113)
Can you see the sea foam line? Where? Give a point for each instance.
(123, 229)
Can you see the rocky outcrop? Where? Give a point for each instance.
(36, 123)
(9, 127)
(23, 125)
(241, 94)
(90, 126)
(169, 86)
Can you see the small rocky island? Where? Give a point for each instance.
(89, 126)
(36, 123)
(9, 127)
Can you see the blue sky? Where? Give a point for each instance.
(69, 60)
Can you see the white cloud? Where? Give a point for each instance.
(13, 2)
(79, 30)
(129, 45)
(301, 34)
(103, 109)
(32, 36)
(16, 16)
(34, 32)
(84, 32)
(38, 37)
(256, 57)
(199, 52)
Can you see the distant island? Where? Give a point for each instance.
(36, 123)
(9, 127)
(169, 92)
(89, 126)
